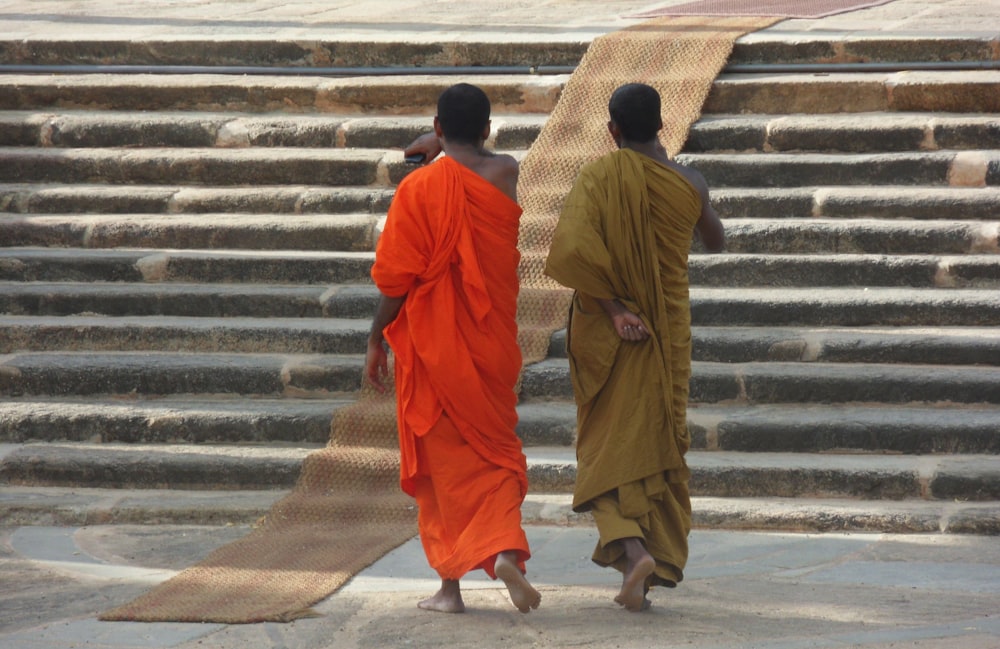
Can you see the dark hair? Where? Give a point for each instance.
(463, 111)
(635, 108)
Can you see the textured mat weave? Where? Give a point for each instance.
(347, 509)
(783, 8)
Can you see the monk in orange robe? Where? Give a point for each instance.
(446, 266)
(622, 244)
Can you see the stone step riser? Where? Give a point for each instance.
(349, 233)
(381, 168)
(171, 267)
(857, 308)
(739, 345)
(358, 233)
(77, 507)
(43, 466)
(931, 169)
(830, 202)
(803, 383)
(215, 167)
(152, 374)
(398, 95)
(726, 270)
(880, 429)
(816, 48)
(909, 91)
(857, 133)
(179, 300)
(874, 132)
(168, 373)
(760, 48)
(232, 130)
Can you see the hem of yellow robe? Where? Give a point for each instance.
(628, 512)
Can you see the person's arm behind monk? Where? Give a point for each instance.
(427, 145)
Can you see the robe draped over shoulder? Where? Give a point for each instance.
(624, 233)
(450, 246)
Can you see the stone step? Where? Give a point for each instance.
(966, 91)
(714, 473)
(970, 91)
(147, 199)
(346, 232)
(75, 506)
(184, 334)
(381, 50)
(84, 128)
(206, 166)
(215, 266)
(850, 133)
(184, 299)
(942, 271)
(804, 383)
(388, 95)
(925, 169)
(152, 373)
(796, 428)
(865, 236)
(560, 48)
(886, 201)
(383, 168)
(771, 307)
(848, 307)
(199, 419)
(741, 344)
(315, 267)
(847, 427)
(938, 346)
(170, 373)
(858, 132)
(358, 232)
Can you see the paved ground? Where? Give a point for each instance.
(787, 591)
(743, 590)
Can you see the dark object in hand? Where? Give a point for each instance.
(415, 158)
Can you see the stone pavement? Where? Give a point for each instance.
(743, 589)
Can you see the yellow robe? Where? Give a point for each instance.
(624, 233)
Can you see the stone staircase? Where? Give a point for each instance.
(184, 293)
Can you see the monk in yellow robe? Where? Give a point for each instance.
(622, 244)
(446, 266)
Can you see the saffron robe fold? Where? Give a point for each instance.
(624, 233)
(450, 246)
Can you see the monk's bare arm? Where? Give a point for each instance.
(628, 325)
(376, 357)
(709, 226)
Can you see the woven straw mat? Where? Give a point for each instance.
(347, 510)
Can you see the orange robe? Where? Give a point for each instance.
(450, 246)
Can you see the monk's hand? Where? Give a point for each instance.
(376, 364)
(427, 145)
(630, 326)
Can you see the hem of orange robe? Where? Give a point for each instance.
(487, 564)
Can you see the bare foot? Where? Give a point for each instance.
(522, 594)
(446, 600)
(633, 593)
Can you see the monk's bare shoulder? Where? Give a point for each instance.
(692, 175)
(501, 170)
